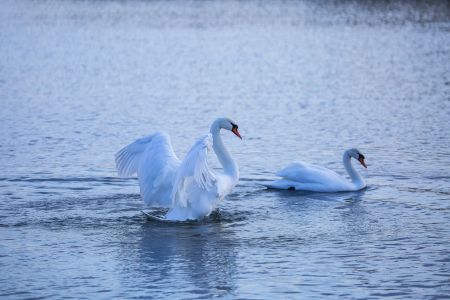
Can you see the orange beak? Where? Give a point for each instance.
(236, 132)
(361, 161)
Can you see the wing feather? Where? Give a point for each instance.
(155, 163)
(127, 159)
(306, 173)
(194, 173)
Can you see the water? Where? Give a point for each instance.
(304, 81)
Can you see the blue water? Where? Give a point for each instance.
(304, 80)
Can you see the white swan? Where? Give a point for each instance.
(305, 177)
(190, 188)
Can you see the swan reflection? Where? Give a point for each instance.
(200, 257)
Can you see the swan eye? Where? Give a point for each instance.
(360, 156)
(234, 126)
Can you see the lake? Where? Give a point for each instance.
(304, 81)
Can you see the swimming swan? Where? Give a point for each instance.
(189, 188)
(306, 177)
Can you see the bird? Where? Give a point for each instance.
(190, 188)
(305, 177)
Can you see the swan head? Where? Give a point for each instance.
(228, 124)
(356, 154)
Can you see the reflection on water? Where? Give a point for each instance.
(201, 257)
(304, 80)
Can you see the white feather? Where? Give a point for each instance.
(155, 163)
(194, 172)
(191, 189)
(307, 173)
(127, 159)
(306, 177)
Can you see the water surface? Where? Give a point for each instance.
(304, 81)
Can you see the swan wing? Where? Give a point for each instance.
(155, 163)
(306, 173)
(128, 158)
(195, 179)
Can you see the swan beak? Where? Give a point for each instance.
(361, 161)
(236, 132)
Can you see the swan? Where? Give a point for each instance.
(189, 188)
(306, 177)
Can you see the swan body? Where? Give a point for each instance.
(306, 177)
(189, 188)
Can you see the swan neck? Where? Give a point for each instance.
(229, 166)
(354, 175)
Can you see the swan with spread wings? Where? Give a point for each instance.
(189, 188)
